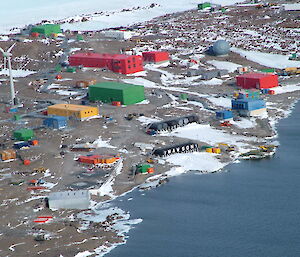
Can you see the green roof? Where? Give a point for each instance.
(47, 29)
(114, 85)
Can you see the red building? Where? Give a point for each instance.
(257, 80)
(156, 56)
(120, 63)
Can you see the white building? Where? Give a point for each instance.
(79, 199)
(118, 34)
(291, 7)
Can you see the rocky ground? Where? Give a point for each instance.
(185, 36)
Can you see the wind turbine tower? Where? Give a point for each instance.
(7, 57)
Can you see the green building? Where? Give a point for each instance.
(23, 134)
(108, 92)
(47, 29)
(204, 6)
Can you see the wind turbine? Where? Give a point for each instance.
(7, 58)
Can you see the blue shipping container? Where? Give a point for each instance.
(56, 122)
(224, 114)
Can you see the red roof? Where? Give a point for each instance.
(105, 55)
(255, 75)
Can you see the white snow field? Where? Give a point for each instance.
(278, 61)
(17, 13)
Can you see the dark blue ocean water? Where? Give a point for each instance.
(253, 210)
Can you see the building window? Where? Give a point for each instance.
(128, 61)
(129, 67)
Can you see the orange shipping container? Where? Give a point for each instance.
(8, 155)
(34, 142)
(209, 150)
(271, 92)
(150, 170)
(36, 188)
(97, 159)
(116, 103)
(216, 150)
(26, 162)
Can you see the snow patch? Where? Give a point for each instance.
(278, 61)
(230, 66)
(201, 161)
(17, 73)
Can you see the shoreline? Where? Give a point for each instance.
(158, 180)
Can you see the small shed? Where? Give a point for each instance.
(207, 74)
(79, 199)
(249, 94)
(156, 56)
(47, 29)
(143, 168)
(56, 122)
(118, 34)
(85, 83)
(108, 92)
(257, 80)
(23, 134)
(224, 114)
(203, 6)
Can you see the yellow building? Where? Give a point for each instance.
(80, 112)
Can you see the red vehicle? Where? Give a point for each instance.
(225, 124)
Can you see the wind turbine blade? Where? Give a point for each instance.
(9, 49)
(5, 62)
(2, 51)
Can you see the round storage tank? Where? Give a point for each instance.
(221, 47)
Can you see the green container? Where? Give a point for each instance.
(223, 9)
(79, 37)
(17, 117)
(270, 70)
(23, 134)
(183, 97)
(47, 29)
(204, 6)
(58, 68)
(108, 92)
(204, 147)
(253, 94)
(71, 69)
(143, 168)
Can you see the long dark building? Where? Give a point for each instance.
(157, 127)
(180, 148)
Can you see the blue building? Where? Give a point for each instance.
(224, 115)
(249, 106)
(55, 122)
